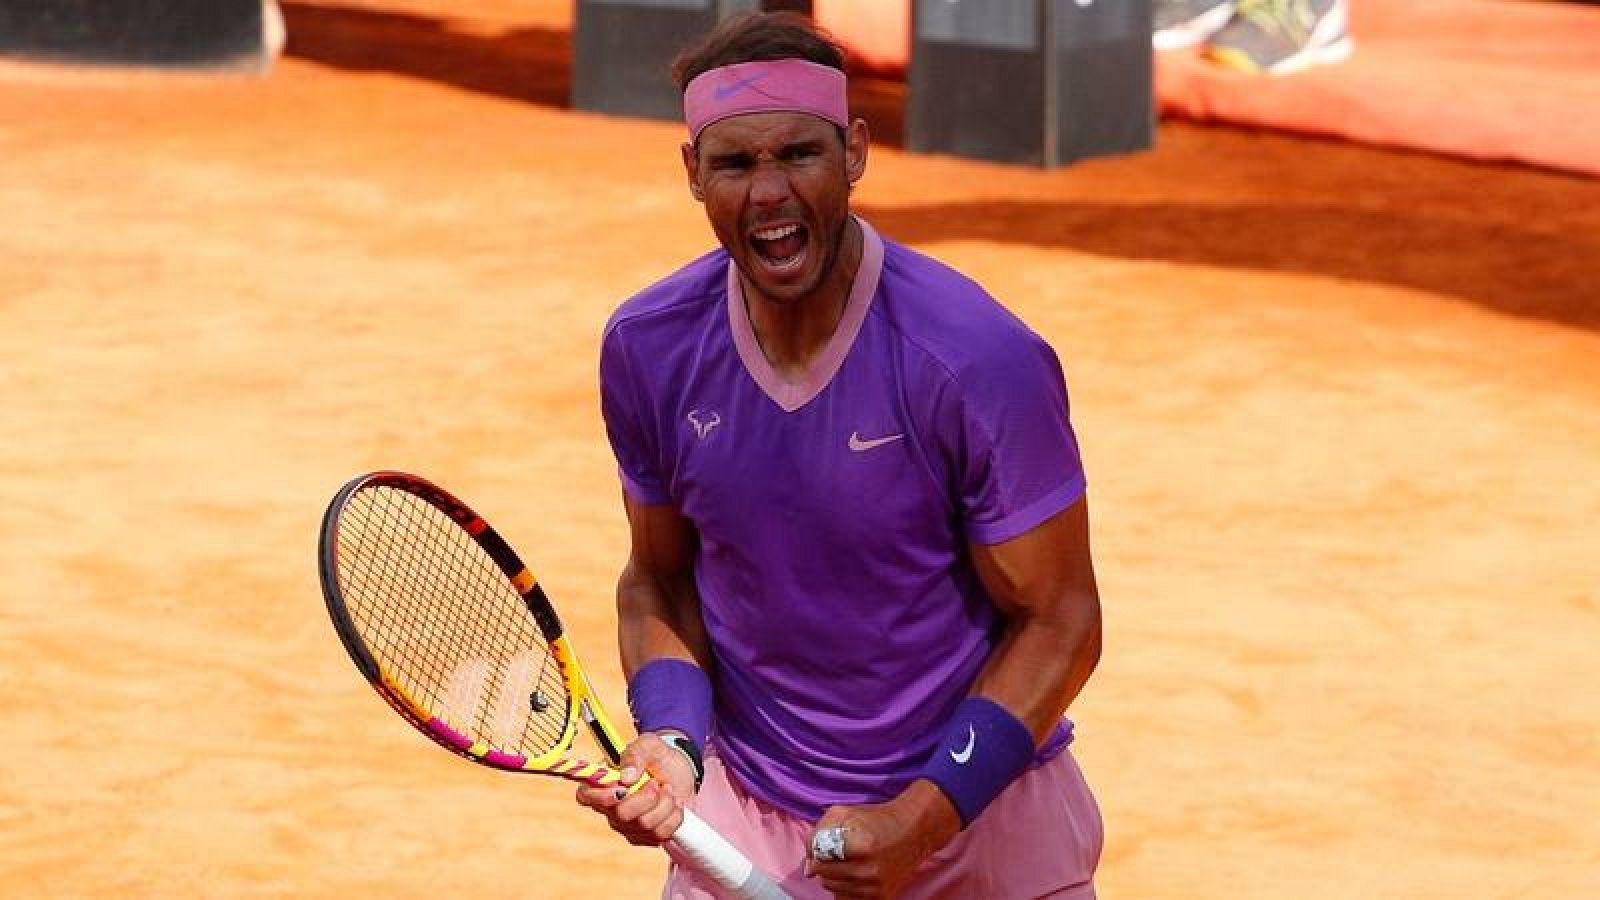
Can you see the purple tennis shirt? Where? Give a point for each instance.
(834, 512)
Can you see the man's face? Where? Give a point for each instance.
(776, 187)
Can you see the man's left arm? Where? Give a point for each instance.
(1043, 583)
(1044, 587)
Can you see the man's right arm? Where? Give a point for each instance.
(658, 606)
(658, 617)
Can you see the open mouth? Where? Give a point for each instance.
(782, 248)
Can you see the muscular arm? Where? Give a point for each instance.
(658, 607)
(1043, 583)
(658, 616)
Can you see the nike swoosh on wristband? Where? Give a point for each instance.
(966, 752)
(859, 445)
(724, 91)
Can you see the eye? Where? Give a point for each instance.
(732, 162)
(800, 152)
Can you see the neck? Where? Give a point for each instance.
(791, 334)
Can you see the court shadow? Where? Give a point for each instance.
(1539, 272)
(532, 65)
(1534, 274)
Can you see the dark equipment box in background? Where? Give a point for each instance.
(1045, 82)
(623, 51)
(1042, 82)
(175, 33)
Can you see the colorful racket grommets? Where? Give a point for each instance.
(453, 631)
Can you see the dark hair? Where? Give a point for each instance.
(749, 37)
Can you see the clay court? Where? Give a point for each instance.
(1340, 409)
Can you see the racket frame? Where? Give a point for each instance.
(706, 849)
(581, 702)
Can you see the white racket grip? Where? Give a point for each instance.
(713, 855)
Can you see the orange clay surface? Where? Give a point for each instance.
(1340, 409)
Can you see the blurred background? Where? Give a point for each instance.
(1322, 275)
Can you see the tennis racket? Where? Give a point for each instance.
(451, 629)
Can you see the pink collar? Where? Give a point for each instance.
(791, 395)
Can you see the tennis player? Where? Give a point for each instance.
(860, 596)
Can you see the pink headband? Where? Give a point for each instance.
(780, 85)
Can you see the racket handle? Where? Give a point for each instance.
(713, 855)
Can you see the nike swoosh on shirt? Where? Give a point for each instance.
(966, 752)
(859, 445)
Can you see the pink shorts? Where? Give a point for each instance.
(1040, 838)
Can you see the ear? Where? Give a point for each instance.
(856, 140)
(691, 169)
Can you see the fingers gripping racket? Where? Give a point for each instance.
(455, 633)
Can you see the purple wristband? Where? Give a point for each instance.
(984, 749)
(671, 693)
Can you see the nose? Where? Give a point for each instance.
(769, 185)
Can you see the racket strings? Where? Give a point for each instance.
(452, 560)
(455, 559)
(445, 623)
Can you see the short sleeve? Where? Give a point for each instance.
(624, 406)
(1018, 463)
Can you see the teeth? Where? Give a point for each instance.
(772, 234)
